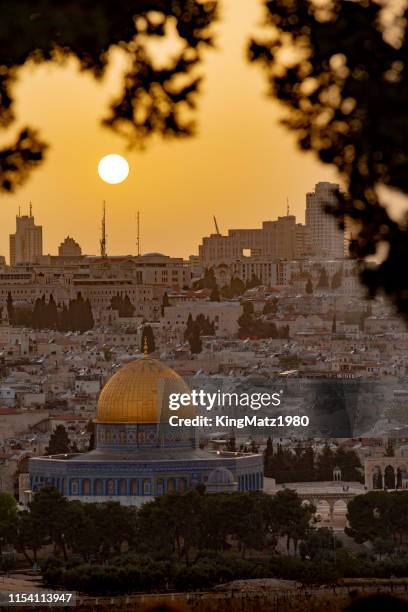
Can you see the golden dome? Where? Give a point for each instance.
(138, 393)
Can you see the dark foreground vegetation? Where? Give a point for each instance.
(195, 540)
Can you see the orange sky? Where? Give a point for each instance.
(241, 166)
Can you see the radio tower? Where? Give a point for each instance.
(102, 241)
(138, 233)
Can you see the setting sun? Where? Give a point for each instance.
(113, 169)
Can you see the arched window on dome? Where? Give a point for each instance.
(86, 487)
(171, 485)
(110, 487)
(108, 436)
(147, 489)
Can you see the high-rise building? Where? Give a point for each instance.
(69, 248)
(26, 242)
(325, 237)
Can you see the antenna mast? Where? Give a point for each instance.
(138, 234)
(287, 207)
(102, 241)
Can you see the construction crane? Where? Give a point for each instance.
(217, 231)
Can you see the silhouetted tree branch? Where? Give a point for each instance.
(343, 76)
(152, 101)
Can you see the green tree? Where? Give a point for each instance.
(59, 442)
(127, 307)
(91, 429)
(379, 514)
(63, 319)
(8, 519)
(325, 463)
(349, 464)
(123, 305)
(246, 321)
(88, 320)
(201, 326)
(189, 326)
(83, 533)
(165, 302)
(268, 456)
(10, 308)
(306, 467)
(382, 547)
(323, 282)
(52, 313)
(30, 535)
(194, 340)
(79, 315)
(367, 516)
(49, 511)
(237, 286)
(115, 526)
(37, 314)
(208, 281)
(319, 544)
(292, 516)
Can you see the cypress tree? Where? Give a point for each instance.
(10, 308)
(52, 313)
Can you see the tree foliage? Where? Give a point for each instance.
(8, 517)
(303, 465)
(59, 442)
(379, 514)
(235, 288)
(208, 280)
(345, 86)
(323, 282)
(195, 328)
(123, 305)
(253, 325)
(77, 316)
(192, 540)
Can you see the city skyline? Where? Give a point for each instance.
(238, 167)
(290, 239)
